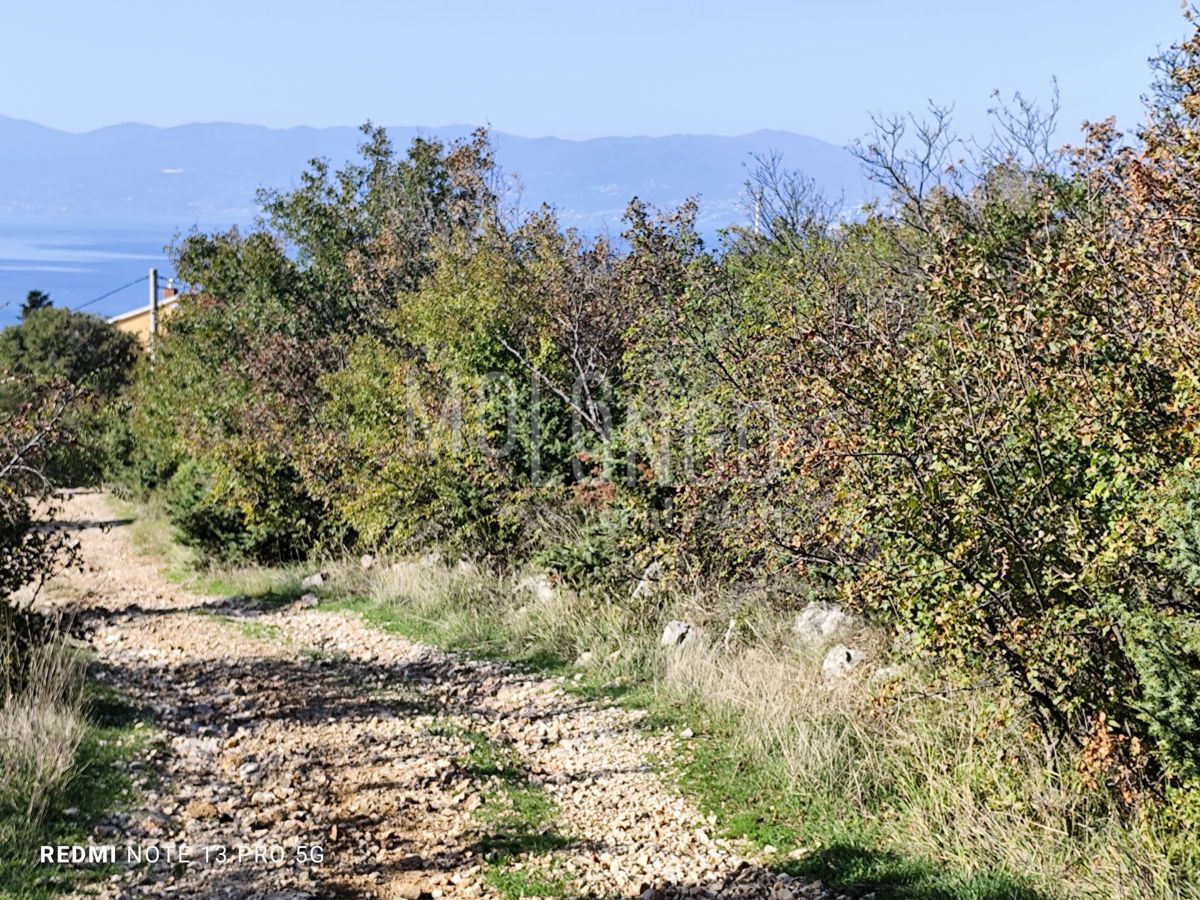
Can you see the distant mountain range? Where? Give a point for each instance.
(207, 174)
(84, 214)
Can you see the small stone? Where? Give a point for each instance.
(314, 580)
(367, 562)
(887, 674)
(840, 661)
(821, 620)
(307, 601)
(676, 633)
(538, 585)
(649, 582)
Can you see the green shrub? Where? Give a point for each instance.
(600, 552)
(204, 518)
(81, 349)
(86, 356)
(398, 460)
(1166, 653)
(267, 519)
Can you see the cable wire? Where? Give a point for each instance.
(110, 293)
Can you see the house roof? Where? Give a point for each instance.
(142, 310)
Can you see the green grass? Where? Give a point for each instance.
(456, 630)
(262, 631)
(516, 821)
(103, 781)
(838, 847)
(516, 884)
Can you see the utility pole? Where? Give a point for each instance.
(153, 311)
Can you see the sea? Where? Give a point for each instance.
(77, 263)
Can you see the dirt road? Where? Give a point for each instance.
(305, 754)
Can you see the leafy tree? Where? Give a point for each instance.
(34, 300)
(31, 549)
(80, 349)
(274, 312)
(82, 355)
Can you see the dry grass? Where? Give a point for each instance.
(510, 617)
(955, 776)
(41, 727)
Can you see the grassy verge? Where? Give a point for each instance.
(902, 788)
(67, 750)
(516, 823)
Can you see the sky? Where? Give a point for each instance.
(574, 69)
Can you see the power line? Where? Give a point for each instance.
(110, 293)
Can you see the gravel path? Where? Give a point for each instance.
(314, 756)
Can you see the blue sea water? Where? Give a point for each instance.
(74, 264)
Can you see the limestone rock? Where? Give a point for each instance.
(887, 674)
(820, 621)
(538, 585)
(840, 661)
(676, 633)
(649, 582)
(306, 601)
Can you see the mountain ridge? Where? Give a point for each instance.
(207, 174)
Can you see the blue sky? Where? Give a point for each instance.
(572, 69)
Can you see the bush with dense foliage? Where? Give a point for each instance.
(30, 549)
(74, 351)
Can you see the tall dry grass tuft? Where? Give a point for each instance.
(41, 728)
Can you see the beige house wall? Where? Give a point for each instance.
(137, 322)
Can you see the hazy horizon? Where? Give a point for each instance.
(422, 126)
(573, 71)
